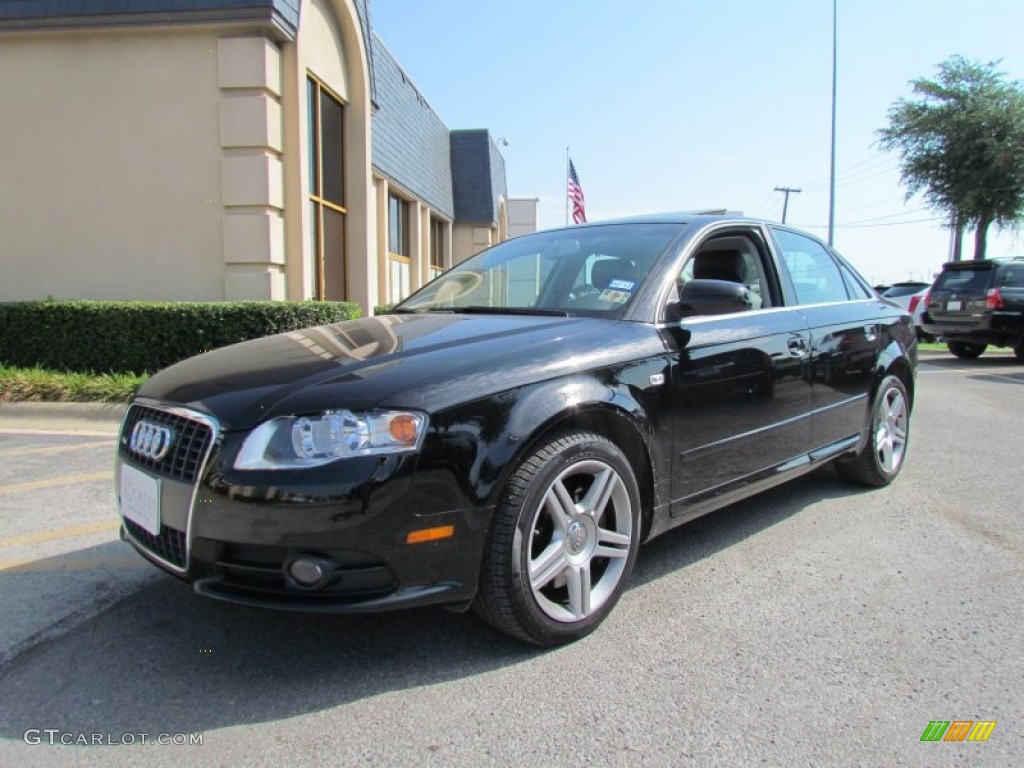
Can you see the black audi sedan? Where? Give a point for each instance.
(508, 436)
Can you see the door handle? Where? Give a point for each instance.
(797, 347)
(870, 332)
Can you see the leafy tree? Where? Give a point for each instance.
(961, 144)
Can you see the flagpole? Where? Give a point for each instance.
(566, 185)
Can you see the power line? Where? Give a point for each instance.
(857, 177)
(869, 164)
(891, 223)
(882, 218)
(886, 203)
(868, 226)
(756, 210)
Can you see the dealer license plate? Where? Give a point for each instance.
(954, 306)
(140, 499)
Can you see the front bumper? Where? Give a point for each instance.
(232, 534)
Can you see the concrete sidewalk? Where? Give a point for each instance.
(101, 418)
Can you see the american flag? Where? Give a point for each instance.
(579, 215)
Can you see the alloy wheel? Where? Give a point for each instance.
(581, 536)
(891, 430)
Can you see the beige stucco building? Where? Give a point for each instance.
(204, 150)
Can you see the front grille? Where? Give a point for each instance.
(191, 441)
(169, 545)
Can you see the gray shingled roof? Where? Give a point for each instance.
(459, 173)
(478, 176)
(410, 141)
(29, 14)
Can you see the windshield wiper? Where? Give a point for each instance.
(474, 309)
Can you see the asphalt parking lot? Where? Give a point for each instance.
(815, 625)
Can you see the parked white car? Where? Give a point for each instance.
(911, 296)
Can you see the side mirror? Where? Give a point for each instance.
(713, 297)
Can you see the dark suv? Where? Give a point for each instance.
(976, 303)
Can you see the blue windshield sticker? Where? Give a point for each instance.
(622, 285)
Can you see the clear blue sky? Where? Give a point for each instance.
(701, 103)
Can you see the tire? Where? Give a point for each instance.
(965, 350)
(1018, 352)
(881, 460)
(562, 541)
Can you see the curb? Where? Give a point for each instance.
(993, 352)
(63, 417)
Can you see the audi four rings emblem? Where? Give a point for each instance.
(150, 440)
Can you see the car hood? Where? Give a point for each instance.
(427, 361)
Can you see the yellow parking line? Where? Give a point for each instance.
(52, 449)
(59, 563)
(53, 482)
(60, 533)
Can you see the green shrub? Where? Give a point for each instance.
(141, 337)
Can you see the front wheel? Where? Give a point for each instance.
(562, 542)
(881, 459)
(966, 350)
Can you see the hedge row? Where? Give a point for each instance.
(140, 337)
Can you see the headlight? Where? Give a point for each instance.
(295, 442)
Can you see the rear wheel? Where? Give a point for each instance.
(965, 349)
(881, 459)
(562, 542)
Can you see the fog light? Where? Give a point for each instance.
(309, 571)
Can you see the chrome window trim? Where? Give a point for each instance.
(186, 413)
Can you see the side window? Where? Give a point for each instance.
(816, 276)
(733, 258)
(1012, 276)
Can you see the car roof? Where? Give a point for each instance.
(682, 218)
(678, 217)
(995, 261)
(692, 219)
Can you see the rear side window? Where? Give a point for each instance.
(964, 280)
(854, 287)
(1012, 276)
(815, 275)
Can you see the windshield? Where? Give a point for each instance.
(964, 280)
(595, 270)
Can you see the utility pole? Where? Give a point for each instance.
(832, 169)
(785, 203)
